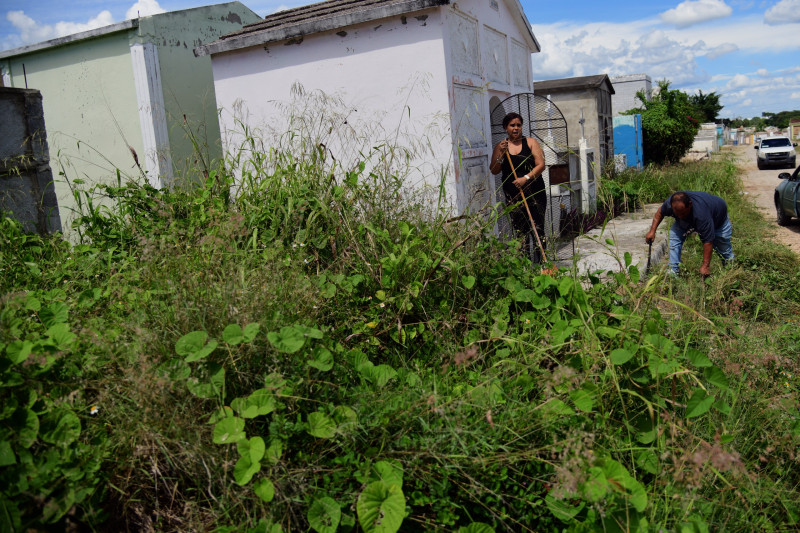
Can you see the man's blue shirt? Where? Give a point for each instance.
(709, 212)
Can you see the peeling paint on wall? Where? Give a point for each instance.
(233, 18)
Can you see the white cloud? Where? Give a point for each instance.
(693, 12)
(784, 12)
(795, 95)
(569, 50)
(721, 50)
(32, 31)
(739, 80)
(144, 8)
(750, 33)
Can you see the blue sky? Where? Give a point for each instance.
(748, 51)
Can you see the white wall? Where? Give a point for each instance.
(388, 74)
(421, 81)
(486, 57)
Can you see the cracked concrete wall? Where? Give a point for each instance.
(26, 183)
(187, 81)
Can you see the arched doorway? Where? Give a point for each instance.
(542, 120)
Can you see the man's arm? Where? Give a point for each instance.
(708, 249)
(657, 218)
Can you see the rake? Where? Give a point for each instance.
(527, 209)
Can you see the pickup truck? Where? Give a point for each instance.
(787, 197)
(775, 151)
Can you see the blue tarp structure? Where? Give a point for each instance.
(628, 140)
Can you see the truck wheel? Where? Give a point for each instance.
(760, 165)
(782, 218)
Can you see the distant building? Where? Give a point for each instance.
(586, 104)
(707, 139)
(130, 87)
(625, 89)
(794, 128)
(628, 148)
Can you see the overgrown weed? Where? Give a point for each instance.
(300, 344)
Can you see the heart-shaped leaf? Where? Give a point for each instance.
(60, 427)
(324, 515)
(250, 331)
(232, 334)
(345, 418)
(273, 452)
(202, 353)
(260, 402)
(191, 343)
(699, 403)
(253, 448)
(244, 470)
(27, 425)
(209, 381)
(381, 508)
(264, 489)
(288, 340)
(716, 377)
(323, 359)
(321, 425)
(54, 313)
(390, 473)
(18, 351)
(229, 430)
(620, 356)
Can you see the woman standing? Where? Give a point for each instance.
(528, 160)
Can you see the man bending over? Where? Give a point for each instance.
(695, 211)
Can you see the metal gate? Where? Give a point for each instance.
(542, 120)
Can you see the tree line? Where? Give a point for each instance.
(671, 119)
(778, 120)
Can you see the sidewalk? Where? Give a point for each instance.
(593, 253)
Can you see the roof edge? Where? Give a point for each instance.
(318, 26)
(527, 25)
(576, 82)
(60, 41)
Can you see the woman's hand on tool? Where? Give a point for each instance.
(521, 181)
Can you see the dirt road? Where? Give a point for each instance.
(760, 185)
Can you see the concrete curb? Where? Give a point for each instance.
(626, 232)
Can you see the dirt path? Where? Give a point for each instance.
(760, 185)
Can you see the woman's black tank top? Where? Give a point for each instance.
(524, 162)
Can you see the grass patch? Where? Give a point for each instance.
(325, 350)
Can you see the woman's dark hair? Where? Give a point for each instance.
(511, 116)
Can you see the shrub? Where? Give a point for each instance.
(668, 127)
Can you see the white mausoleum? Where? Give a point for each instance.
(427, 72)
